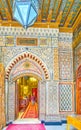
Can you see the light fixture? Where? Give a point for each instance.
(25, 11)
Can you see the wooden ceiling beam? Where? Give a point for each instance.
(8, 16)
(1, 17)
(77, 14)
(39, 18)
(9, 7)
(36, 25)
(66, 11)
(68, 19)
(76, 41)
(59, 17)
(77, 22)
(55, 12)
(45, 9)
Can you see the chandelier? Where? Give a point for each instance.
(25, 11)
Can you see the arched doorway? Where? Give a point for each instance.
(27, 97)
(78, 91)
(25, 64)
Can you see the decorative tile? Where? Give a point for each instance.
(65, 97)
(52, 98)
(65, 66)
(9, 40)
(56, 64)
(2, 41)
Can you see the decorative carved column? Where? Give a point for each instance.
(11, 101)
(42, 99)
(52, 106)
(56, 64)
(6, 99)
(2, 111)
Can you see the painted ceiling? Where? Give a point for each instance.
(52, 13)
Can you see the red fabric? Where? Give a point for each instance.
(26, 127)
(34, 91)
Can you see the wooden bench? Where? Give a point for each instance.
(75, 121)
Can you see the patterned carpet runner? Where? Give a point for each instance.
(26, 127)
(31, 111)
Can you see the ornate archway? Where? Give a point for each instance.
(22, 65)
(30, 56)
(78, 91)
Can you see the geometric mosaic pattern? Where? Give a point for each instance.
(66, 65)
(65, 97)
(78, 56)
(52, 98)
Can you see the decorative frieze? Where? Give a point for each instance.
(33, 32)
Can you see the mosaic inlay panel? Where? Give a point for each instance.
(51, 98)
(78, 56)
(2, 41)
(66, 65)
(65, 97)
(9, 40)
(42, 98)
(11, 101)
(56, 64)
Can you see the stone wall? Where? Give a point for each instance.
(55, 50)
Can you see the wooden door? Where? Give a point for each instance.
(78, 95)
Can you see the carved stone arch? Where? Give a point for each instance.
(30, 56)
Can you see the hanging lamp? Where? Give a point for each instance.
(25, 12)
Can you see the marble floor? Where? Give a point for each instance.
(48, 127)
(54, 127)
(58, 127)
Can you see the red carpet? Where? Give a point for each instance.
(31, 111)
(26, 127)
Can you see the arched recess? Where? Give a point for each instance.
(78, 91)
(29, 56)
(22, 65)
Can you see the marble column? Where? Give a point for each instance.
(42, 99)
(6, 99)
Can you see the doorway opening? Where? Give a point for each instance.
(27, 97)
